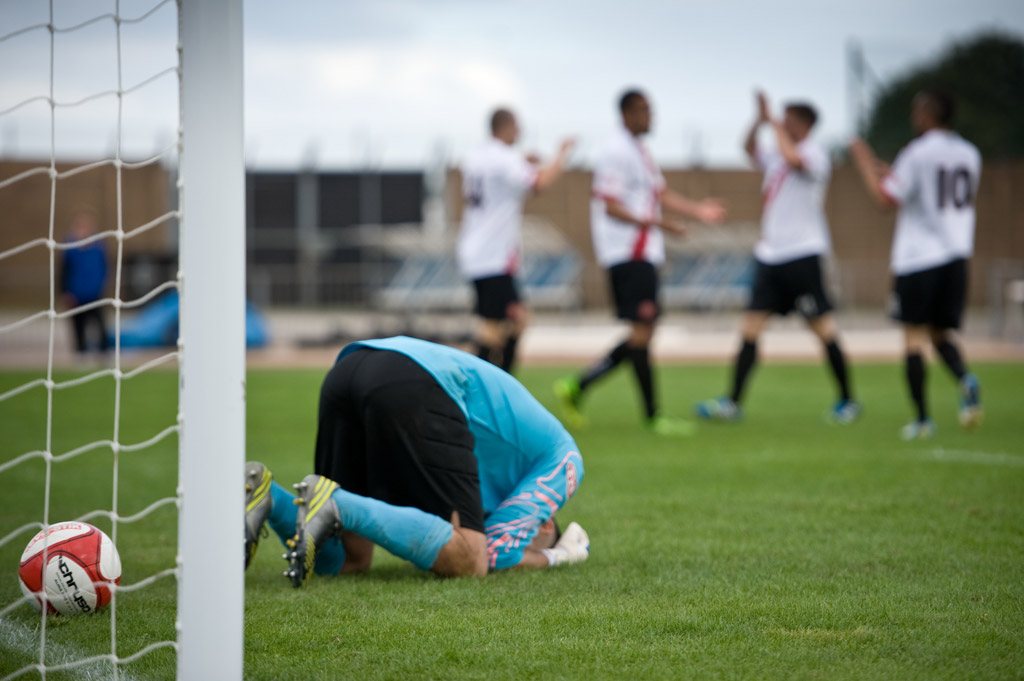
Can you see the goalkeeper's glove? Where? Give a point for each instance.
(572, 547)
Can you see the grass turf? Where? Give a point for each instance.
(778, 548)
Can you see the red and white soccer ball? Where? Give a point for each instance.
(81, 563)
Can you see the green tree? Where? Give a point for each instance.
(985, 74)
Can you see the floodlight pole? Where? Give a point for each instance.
(212, 333)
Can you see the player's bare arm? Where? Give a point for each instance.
(549, 173)
(871, 170)
(618, 210)
(784, 141)
(711, 211)
(750, 144)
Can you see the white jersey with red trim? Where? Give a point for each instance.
(625, 172)
(934, 180)
(793, 223)
(495, 181)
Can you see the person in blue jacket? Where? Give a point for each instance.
(438, 456)
(83, 279)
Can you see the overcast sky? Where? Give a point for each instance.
(403, 83)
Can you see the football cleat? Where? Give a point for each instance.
(970, 402)
(669, 427)
(918, 430)
(721, 409)
(318, 521)
(258, 503)
(568, 392)
(844, 412)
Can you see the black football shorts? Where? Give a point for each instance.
(387, 430)
(933, 297)
(794, 285)
(495, 296)
(635, 290)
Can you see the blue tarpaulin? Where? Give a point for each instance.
(157, 325)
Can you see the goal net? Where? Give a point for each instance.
(180, 543)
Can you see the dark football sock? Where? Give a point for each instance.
(745, 361)
(508, 356)
(837, 361)
(641, 360)
(950, 354)
(597, 371)
(484, 352)
(915, 381)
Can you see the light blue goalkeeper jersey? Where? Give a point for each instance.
(528, 463)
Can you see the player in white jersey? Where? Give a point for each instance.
(794, 236)
(933, 183)
(495, 182)
(626, 224)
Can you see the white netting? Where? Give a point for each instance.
(119, 234)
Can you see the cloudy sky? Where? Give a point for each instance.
(403, 83)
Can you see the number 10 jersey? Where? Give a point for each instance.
(934, 181)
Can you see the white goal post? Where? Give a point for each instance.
(212, 339)
(211, 344)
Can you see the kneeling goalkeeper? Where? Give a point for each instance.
(441, 458)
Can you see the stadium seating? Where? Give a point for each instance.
(431, 282)
(708, 281)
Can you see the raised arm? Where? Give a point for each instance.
(786, 145)
(871, 171)
(750, 145)
(549, 173)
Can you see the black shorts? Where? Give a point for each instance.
(933, 297)
(794, 285)
(635, 289)
(387, 430)
(495, 295)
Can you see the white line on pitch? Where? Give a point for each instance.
(971, 456)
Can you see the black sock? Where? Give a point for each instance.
(484, 352)
(745, 361)
(837, 361)
(608, 363)
(641, 360)
(508, 356)
(950, 354)
(915, 380)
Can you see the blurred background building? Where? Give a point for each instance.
(353, 192)
(383, 241)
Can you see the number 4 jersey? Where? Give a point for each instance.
(495, 182)
(934, 181)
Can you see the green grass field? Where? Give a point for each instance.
(779, 548)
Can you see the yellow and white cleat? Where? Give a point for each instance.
(258, 503)
(318, 521)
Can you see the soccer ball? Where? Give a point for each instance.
(81, 564)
